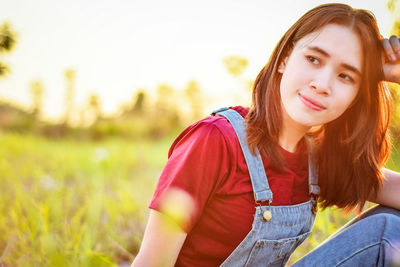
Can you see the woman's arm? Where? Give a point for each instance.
(165, 234)
(389, 193)
(162, 241)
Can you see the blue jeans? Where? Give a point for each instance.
(371, 240)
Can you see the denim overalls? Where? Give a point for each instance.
(276, 230)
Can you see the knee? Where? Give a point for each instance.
(387, 224)
(380, 209)
(384, 218)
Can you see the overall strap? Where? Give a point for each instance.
(314, 189)
(259, 180)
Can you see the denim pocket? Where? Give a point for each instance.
(274, 252)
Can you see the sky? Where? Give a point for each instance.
(118, 47)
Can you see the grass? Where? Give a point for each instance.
(68, 203)
(74, 204)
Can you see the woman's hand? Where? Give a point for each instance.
(391, 63)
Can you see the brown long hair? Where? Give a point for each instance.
(352, 148)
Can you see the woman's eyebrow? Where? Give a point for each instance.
(344, 65)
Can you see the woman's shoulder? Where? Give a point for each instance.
(220, 122)
(215, 130)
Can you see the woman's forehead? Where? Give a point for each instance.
(339, 42)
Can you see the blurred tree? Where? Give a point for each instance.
(69, 75)
(250, 85)
(137, 106)
(139, 100)
(194, 97)
(36, 90)
(165, 96)
(235, 65)
(94, 106)
(165, 104)
(7, 43)
(166, 113)
(394, 8)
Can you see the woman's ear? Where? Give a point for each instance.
(282, 65)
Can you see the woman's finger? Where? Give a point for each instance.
(395, 43)
(388, 50)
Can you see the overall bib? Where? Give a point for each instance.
(276, 230)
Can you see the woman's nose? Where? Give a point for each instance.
(322, 83)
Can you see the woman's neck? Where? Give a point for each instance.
(291, 133)
(289, 143)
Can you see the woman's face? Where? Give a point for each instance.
(321, 76)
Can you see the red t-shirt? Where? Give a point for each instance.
(206, 161)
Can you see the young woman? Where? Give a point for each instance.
(240, 188)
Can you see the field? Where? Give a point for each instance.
(70, 203)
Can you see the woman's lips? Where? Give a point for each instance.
(313, 104)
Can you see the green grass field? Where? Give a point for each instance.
(69, 203)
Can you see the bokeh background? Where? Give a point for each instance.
(92, 93)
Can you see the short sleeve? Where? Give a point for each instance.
(197, 161)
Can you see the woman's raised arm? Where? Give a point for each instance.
(389, 194)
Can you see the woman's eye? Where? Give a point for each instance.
(313, 60)
(346, 77)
